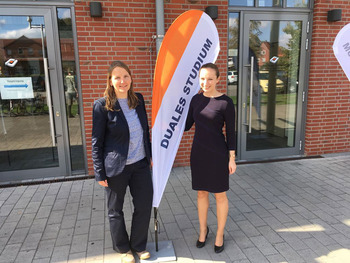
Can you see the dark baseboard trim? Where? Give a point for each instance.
(46, 180)
(280, 159)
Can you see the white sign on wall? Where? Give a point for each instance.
(16, 88)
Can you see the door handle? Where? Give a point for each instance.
(49, 102)
(251, 93)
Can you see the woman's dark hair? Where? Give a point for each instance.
(111, 96)
(212, 66)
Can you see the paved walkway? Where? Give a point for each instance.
(292, 211)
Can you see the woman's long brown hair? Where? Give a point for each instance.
(111, 96)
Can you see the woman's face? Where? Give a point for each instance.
(208, 80)
(121, 81)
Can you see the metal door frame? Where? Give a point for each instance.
(297, 150)
(52, 46)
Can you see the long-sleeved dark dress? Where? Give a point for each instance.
(210, 150)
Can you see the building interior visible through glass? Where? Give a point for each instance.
(275, 49)
(26, 140)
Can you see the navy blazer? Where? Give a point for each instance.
(111, 136)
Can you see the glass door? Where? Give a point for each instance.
(273, 66)
(30, 119)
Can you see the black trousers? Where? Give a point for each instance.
(139, 179)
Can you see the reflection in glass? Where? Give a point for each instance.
(275, 48)
(270, 3)
(26, 141)
(297, 3)
(232, 60)
(70, 87)
(241, 3)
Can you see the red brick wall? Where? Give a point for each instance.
(125, 33)
(328, 109)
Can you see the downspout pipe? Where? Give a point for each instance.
(160, 23)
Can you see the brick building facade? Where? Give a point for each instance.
(126, 31)
(328, 109)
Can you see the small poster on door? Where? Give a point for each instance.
(16, 88)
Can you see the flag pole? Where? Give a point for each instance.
(156, 227)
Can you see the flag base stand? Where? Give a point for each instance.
(165, 252)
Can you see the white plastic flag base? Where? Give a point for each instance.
(165, 252)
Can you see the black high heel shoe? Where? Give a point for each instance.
(200, 244)
(219, 249)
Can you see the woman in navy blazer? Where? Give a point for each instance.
(121, 153)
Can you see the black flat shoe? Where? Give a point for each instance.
(200, 244)
(219, 249)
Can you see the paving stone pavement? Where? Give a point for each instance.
(291, 211)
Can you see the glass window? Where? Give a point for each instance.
(270, 3)
(297, 3)
(275, 46)
(241, 2)
(70, 88)
(26, 140)
(232, 65)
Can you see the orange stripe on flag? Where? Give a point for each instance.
(173, 46)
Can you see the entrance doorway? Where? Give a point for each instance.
(272, 59)
(33, 129)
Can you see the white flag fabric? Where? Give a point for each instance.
(341, 49)
(191, 41)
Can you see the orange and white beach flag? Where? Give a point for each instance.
(191, 41)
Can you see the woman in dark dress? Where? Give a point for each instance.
(212, 156)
